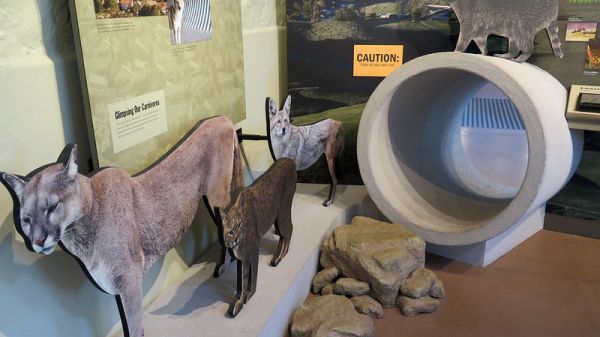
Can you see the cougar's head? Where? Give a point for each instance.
(280, 119)
(47, 201)
(233, 230)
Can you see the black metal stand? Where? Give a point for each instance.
(267, 137)
(243, 136)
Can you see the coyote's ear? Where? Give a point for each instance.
(14, 183)
(287, 106)
(272, 106)
(68, 158)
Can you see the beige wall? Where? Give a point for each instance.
(41, 110)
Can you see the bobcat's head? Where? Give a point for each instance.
(233, 228)
(280, 119)
(47, 201)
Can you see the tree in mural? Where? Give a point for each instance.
(98, 4)
(418, 8)
(112, 5)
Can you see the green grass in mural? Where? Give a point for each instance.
(382, 8)
(338, 97)
(427, 25)
(347, 163)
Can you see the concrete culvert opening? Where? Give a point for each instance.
(424, 169)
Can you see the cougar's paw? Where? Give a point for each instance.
(235, 308)
(327, 203)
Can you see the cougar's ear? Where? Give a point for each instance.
(287, 106)
(272, 106)
(65, 154)
(68, 158)
(13, 183)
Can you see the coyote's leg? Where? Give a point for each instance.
(333, 186)
(130, 305)
(331, 153)
(243, 274)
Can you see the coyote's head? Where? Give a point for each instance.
(280, 119)
(233, 227)
(46, 201)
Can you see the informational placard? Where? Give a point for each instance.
(377, 60)
(577, 24)
(137, 119)
(151, 69)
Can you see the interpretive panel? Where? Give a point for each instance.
(151, 69)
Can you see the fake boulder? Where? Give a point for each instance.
(330, 316)
(375, 252)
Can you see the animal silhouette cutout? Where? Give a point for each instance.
(305, 144)
(116, 225)
(517, 20)
(255, 209)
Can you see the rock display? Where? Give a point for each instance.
(368, 306)
(323, 278)
(437, 289)
(418, 284)
(328, 289)
(411, 306)
(375, 252)
(330, 316)
(350, 287)
(378, 265)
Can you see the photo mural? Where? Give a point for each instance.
(340, 50)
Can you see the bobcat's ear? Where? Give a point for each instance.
(287, 106)
(272, 106)
(70, 163)
(14, 183)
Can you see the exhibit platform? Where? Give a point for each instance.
(196, 304)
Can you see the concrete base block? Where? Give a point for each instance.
(483, 253)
